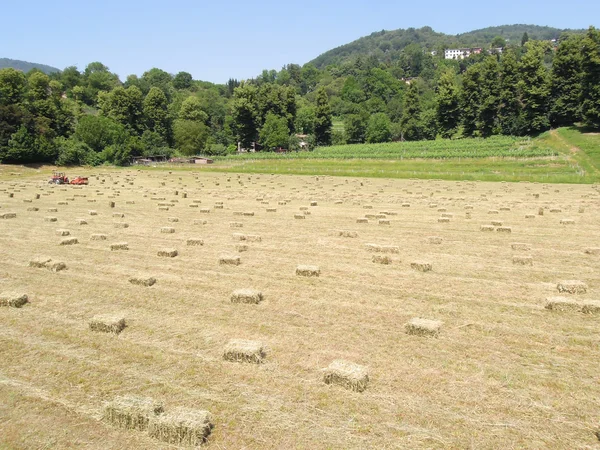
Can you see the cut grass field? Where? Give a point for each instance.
(548, 158)
(501, 372)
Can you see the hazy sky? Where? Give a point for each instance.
(218, 40)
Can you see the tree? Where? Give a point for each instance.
(160, 79)
(183, 80)
(97, 77)
(412, 127)
(191, 109)
(534, 87)
(190, 136)
(305, 120)
(12, 86)
(524, 39)
(323, 118)
(244, 113)
(498, 42)
(355, 127)
(98, 132)
(124, 106)
(448, 104)
(471, 99)
(379, 128)
(274, 133)
(591, 78)
(566, 82)
(489, 97)
(156, 113)
(509, 107)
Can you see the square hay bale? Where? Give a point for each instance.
(50, 219)
(592, 251)
(91, 212)
(236, 225)
(496, 223)
(504, 230)
(63, 232)
(52, 210)
(163, 208)
(205, 210)
(562, 304)
(590, 307)
(131, 412)
(253, 238)
(231, 260)
(421, 266)
(487, 228)
(299, 216)
(181, 426)
(555, 210)
(530, 216)
(567, 222)
(493, 211)
(56, 266)
(241, 350)
(313, 203)
(434, 240)
(98, 237)
(69, 241)
(346, 374)
(33, 208)
(200, 222)
(194, 242)
(142, 281)
(172, 219)
(308, 271)
(238, 237)
(241, 247)
(347, 233)
(423, 327)
(449, 215)
(248, 213)
(119, 246)
(306, 213)
(39, 262)
(362, 220)
(406, 205)
(121, 225)
(271, 210)
(118, 215)
(107, 323)
(382, 259)
(520, 246)
(246, 296)
(540, 211)
(12, 299)
(384, 222)
(523, 260)
(443, 219)
(81, 222)
(167, 253)
(167, 230)
(572, 287)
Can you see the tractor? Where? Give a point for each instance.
(59, 178)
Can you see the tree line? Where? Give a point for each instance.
(92, 117)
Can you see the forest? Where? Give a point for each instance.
(91, 117)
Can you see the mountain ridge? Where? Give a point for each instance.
(26, 66)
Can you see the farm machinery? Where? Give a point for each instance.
(61, 178)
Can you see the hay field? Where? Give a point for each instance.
(500, 371)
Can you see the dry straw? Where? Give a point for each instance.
(572, 287)
(98, 237)
(181, 426)
(241, 350)
(167, 230)
(167, 253)
(246, 296)
(434, 240)
(423, 327)
(194, 242)
(347, 374)
(142, 281)
(308, 271)
(119, 246)
(107, 323)
(523, 260)
(421, 266)
(520, 246)
(231, 260)
(131, 412)
(13, 300)
(69, 241)
(347, 233)
(121, 225)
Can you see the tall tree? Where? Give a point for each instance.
(534, 87)
(448, 104)
(244, 113)
(509, 108)
(591, 78)
(124, 106)
(490, 97)
(183, 80)
(323, 118)
(471, 99)
(156, 113)
(411, 124)
(524, 39)
(566, 81)
(379, 128)
(274, 133)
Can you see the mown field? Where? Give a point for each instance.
(502, 371)
(553, 157)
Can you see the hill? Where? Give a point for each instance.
(386, 46)
(26, 66)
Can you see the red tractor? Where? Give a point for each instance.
(58, 178)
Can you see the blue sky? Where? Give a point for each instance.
(218, 40)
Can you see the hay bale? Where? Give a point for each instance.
(248, 213)
(119, 246)
(384, 222)
(111, 204)
(487, 228)
(308, 271)
(106, 323)
(246, 296)
(200, 222)
(434, 240)
(572, 287)
(172, 219)
(168, 253)
(91, 212)
(423, 327)
(496, 223)
(523, 260)
(347, 233)
(592, 251)
(567, 222)
(52, 209)
(39, 262)
(231, 260)
(504, 230)
(271, 210)
(98, 237)
(236, 225)
(142, 281)
(33, 208)
(241, 247)
(238, 236)
(253, 238)
(69, 241)
(520, 246)
(167, 230)
(81, 222)
(194, 242)
(540, 211)
(590, 307)
(421, 266)
(347, 374)
(131, 412)
(241, 350)
(382, 248)
(50, 219)
(530, 216)
(362, 220)
(181, 426)
(299, 216)
(56, 266)
(555, 210)
(62, 232)
(382, 259)
(562, 304)
(443, 219)
(118, 215)
(12, 299)
(493, 211)
(121, 225)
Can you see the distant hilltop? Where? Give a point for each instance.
(26, 66)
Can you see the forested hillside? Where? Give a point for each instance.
(25, 66)
(93, 117)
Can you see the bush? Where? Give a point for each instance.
(75, 153)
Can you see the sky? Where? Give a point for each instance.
(218, 40)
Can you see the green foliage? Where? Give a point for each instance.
(183, 80)
(191, 109)
(155, 108)
(448, 104)
(123, 106)
(12, 86)
(566, 80)
(99, 132)
(274, 133)
(72, 152)
(323, 118)
(379, 128)
(534, 88)
(591, 78)
(509, 107)
(355, 127)
(412, 127)
(190, 136)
